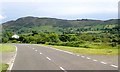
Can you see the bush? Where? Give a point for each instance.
(33, 42)
(86, 46)
(50, 43)
(114, 44)
(97, 40)
(14, 41)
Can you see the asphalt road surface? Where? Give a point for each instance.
(33, 57)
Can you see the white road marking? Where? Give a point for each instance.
(35, 50)
(88, 58)
(114, 66)
(95, 60)
(63, 69)
(103, 62)
(48, 58)
(83, 56)
(78, 55)
(40, 53)
(13, 60)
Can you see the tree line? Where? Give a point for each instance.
(74, 40)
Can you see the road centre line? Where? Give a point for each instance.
(48, 58)
(78, 55)
(40, 53)
(114, 66)
(35, 50)
(63, 69)
(95, 60)
(103, 62)
(83, 56)
(88, 58)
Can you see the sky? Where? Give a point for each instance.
(62, 9)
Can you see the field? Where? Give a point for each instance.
(7, 48)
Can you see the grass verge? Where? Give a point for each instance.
(80, 50)
(7, 48)
(3, 67)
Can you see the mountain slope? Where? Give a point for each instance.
(28, 24)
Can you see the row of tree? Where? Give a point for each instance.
(53, 38)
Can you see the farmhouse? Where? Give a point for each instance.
(15, 36)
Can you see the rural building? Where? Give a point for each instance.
(15, 36)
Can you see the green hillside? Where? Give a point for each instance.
(29, 24)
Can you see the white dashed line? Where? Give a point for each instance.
(83, 56)
(95, 60)
(78, 55)
(103, 62)
(35, 50)
(48, 58)
(40, 53)
(63, 69)
(114, 66)
(88, 58)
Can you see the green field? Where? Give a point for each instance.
(80, 50)
(7, 48)
(48, 29)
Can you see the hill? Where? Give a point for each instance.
(29, 24)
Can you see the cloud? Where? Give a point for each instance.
(2, 17)
(78, 7)
(60, 8)
(56, 1)
(86, 10)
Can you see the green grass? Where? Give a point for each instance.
(98, 45)
(3, 67)
(48, 29)
(7, 48)
(80, 50)
(110, 26)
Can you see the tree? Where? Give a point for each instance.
(73, 38)
(34, 32)
(64, 38)
(5, 40)
(54, 38)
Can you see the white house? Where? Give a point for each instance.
(15, 36)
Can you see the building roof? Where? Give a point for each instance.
(15, 36)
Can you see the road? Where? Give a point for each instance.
(33, 57)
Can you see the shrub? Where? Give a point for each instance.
(14, 41)
(114, 44)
